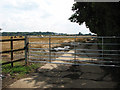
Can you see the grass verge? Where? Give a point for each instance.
(19, 71)
(19, 68)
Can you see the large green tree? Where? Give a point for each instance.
(101, 18)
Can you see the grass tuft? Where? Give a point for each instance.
(19, 70)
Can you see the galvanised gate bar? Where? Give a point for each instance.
(74, 50)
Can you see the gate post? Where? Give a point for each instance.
(75, 51)
(102, 47)
(49, 48)
(26, 49)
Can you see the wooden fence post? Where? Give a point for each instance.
(26, 49)
(11, 45)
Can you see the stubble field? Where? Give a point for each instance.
(20, 44)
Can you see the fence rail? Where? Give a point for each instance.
(74, 37)
(77, 43)
(12, 50)
(4, 40)
(75, 64)
(22, 59)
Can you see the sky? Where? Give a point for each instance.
(38, 15)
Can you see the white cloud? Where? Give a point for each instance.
(38, 15)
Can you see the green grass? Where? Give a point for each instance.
(19, 70)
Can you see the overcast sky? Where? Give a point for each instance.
(38, 15)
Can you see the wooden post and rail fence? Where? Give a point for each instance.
(11, 51)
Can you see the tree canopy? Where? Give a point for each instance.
(101, 18)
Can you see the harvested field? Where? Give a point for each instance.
(20, 44)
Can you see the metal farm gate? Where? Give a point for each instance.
(74, 50)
